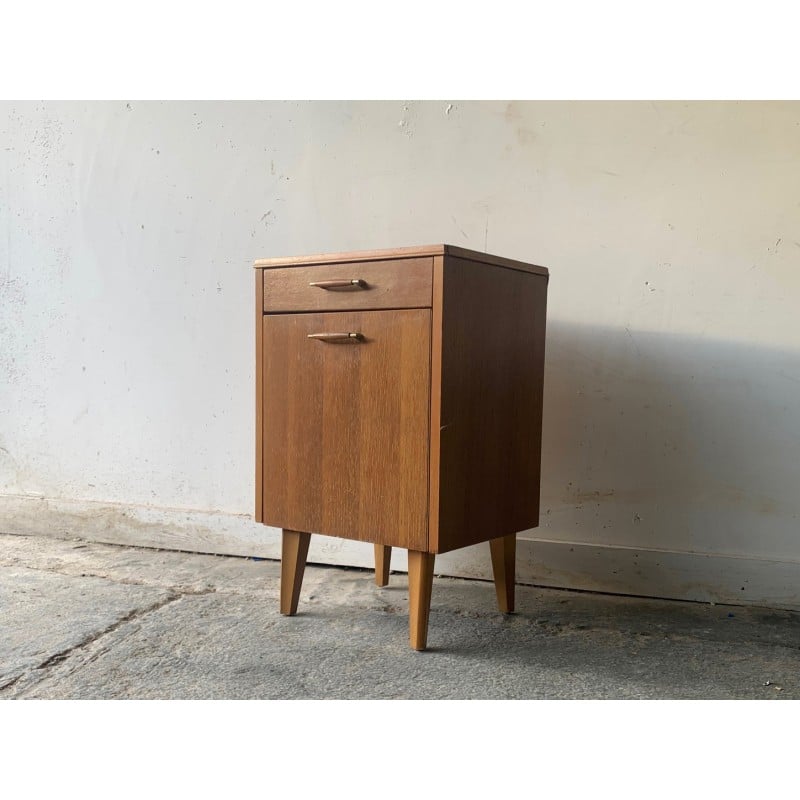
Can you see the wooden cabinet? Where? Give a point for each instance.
(399, 402)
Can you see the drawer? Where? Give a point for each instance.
(350, 286)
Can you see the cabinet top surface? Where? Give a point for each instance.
(399, 253)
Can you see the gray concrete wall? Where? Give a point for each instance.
(672, 408)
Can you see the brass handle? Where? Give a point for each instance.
(355, 283)
(336, 337)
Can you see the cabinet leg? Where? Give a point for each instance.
(383, 558)
(294, 551)
(420, 583)
(504, 556)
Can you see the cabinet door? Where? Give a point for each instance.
(346, 424)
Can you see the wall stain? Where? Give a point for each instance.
(514, 117)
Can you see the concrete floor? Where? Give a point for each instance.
(83, 620)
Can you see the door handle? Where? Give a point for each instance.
(355, 283)
(336, 337)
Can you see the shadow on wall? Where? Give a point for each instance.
(668, 442)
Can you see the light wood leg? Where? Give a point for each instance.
(420, 583)
(504, 557)
(383, 558)
(294, 551)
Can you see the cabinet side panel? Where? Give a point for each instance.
(259, 484)
(493, 328)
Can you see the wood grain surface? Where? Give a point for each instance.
(383, 561)
(294, 552)
(355, 255)
(259, 515)
(400, 253)
(346, 425)
(504, 558)
(490, 395)
(405, 283)
(420, 586)
(434, 445)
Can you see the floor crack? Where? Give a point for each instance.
(54, 570)
(137, 613)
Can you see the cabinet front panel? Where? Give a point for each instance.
(400, 283)
(345, 424)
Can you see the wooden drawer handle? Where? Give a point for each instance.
(355, 283)
(336, 337)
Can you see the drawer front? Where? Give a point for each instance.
(345, 430)
(400, 283)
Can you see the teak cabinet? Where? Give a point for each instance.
(399, 402)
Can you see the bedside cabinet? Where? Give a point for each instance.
(399, 402)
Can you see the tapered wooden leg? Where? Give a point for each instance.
(504, 556)
(294, 551)
(383, 558)
(420, 583)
